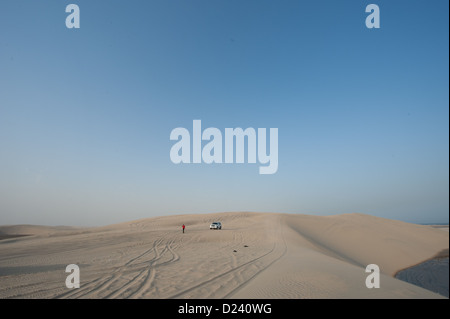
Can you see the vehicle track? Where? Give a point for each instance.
(144, 267)
(267, 259)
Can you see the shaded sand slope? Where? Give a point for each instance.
(363, 239)
(255, 256)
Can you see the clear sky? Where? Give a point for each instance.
(86, 114)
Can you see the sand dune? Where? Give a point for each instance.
(33, 230)
(255, 255)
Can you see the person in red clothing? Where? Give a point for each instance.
(183, 228)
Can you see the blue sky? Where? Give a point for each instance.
(86, 114)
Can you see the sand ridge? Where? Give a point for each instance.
(255, 255)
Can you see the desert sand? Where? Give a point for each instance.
(255, 255)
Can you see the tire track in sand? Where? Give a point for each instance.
(278, 250)
(103, 283)
(147, 277)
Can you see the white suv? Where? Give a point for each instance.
(215, 225)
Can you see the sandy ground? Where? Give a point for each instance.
(255, 255)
